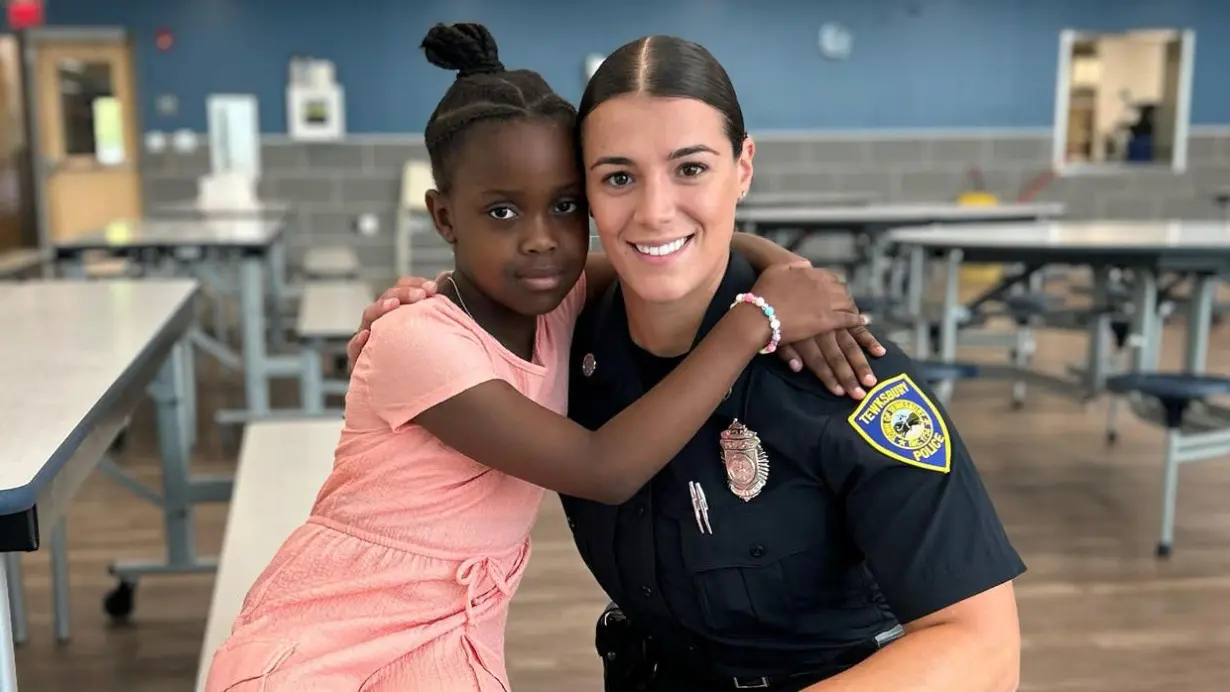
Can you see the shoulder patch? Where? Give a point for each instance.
(898, 420)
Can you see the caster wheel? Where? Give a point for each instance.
(1163, 550)
(1112, 436)
(120, 602)
(1018, 404)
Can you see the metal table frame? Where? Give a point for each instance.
(35, 512)
(261, 273)
(870, 223)
(1206, 430)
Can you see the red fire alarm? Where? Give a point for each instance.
(25, 14)
(164, 39)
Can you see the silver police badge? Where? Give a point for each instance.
(588, 365)
(747, 465)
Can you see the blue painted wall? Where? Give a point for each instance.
(916, 63)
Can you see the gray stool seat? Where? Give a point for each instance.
(938, 371)
(1023, 307)
(876, 305)
(1175, 392)
(1116, 293)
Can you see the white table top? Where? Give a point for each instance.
(281, 468)
(332, 309)
(893, 213)
(153, 232)
(19, 260)
(65, 347)
(1149, 236)
(330, 261)
(774, 199)
(260, 209)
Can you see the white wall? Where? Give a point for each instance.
(1132, 64)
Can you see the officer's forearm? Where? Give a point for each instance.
(949, 657)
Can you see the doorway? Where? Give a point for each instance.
(1123, 98)
(84, 111)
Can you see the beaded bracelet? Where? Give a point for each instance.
(774, 323)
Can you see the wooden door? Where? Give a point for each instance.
(87, 133)
(11, 148)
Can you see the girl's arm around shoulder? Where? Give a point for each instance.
(491, 422)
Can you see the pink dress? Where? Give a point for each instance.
(401, 578)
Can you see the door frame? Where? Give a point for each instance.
(1063, 94)
(31, 41)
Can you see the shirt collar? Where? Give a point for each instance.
(611, 345)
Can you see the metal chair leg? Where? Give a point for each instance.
(17, 599)
(1170, 492)
(59, 581)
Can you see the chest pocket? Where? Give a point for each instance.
(767, 563)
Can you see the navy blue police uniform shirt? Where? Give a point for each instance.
(872, 514)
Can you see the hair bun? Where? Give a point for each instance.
(466, 47)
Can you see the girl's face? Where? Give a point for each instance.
(515, 213)
(662, 184)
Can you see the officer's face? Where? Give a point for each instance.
(663, 183)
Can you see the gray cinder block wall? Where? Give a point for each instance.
(332, 184)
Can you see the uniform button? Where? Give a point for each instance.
(640, 510)
(572, 524)
(646, 591)
(757, 551)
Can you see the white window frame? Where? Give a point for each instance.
(1063, 95)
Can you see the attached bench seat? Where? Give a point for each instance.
(329, 314)
(20, 263)
(1176, 392)
(282, 465)
(331, 263)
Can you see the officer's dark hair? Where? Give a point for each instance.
(666, 67)
(483, 92)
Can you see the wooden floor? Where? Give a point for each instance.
(1099, 613)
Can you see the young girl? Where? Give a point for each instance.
(400, 580)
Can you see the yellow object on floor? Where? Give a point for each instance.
(979, 274)
(976, 198)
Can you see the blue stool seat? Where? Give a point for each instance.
(938, 371)
(1175, 392)
(1166, 386)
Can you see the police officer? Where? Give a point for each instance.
(800, 540)
(794, 535)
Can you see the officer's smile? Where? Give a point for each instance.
(660, 252)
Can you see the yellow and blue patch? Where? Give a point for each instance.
(900, 422)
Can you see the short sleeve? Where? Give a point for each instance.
(913, 500)
(418, 356)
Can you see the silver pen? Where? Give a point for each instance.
(700, 507)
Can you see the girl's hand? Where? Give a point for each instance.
(407, 291)
(821, 328)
